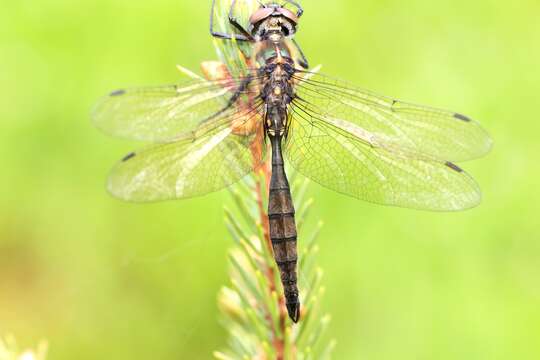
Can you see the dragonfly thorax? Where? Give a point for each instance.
(277, 93)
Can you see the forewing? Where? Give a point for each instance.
(399, 127)
(168, 113)
(347, 163)
(188, 168)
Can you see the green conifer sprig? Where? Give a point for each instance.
(252, 307)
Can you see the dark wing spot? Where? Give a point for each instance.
(129, 156)
(462, 117)
(118, 92)
(454, 167)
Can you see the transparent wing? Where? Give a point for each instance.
(175, 112)
(343, 161)
(187, 168)
(399, 127)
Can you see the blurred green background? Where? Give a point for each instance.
(101, 279)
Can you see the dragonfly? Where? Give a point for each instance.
(207, 134)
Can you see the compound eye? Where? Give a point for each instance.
(260, 15)
(288, 14)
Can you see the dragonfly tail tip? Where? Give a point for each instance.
(294, 311)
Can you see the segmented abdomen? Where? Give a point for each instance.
(283, 229)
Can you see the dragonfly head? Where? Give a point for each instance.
(273, 22)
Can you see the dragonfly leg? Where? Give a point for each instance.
(234, 22)
(225, 36)
(303, 60)
(298, 6)
(241, 88)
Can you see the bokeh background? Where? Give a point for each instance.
(101, 279)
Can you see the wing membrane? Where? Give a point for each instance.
(188, 168)
(401, 128)
(169, 113)
(344, 161)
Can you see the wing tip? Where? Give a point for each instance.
(470, 197)
(96, 112)
(117, 190)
